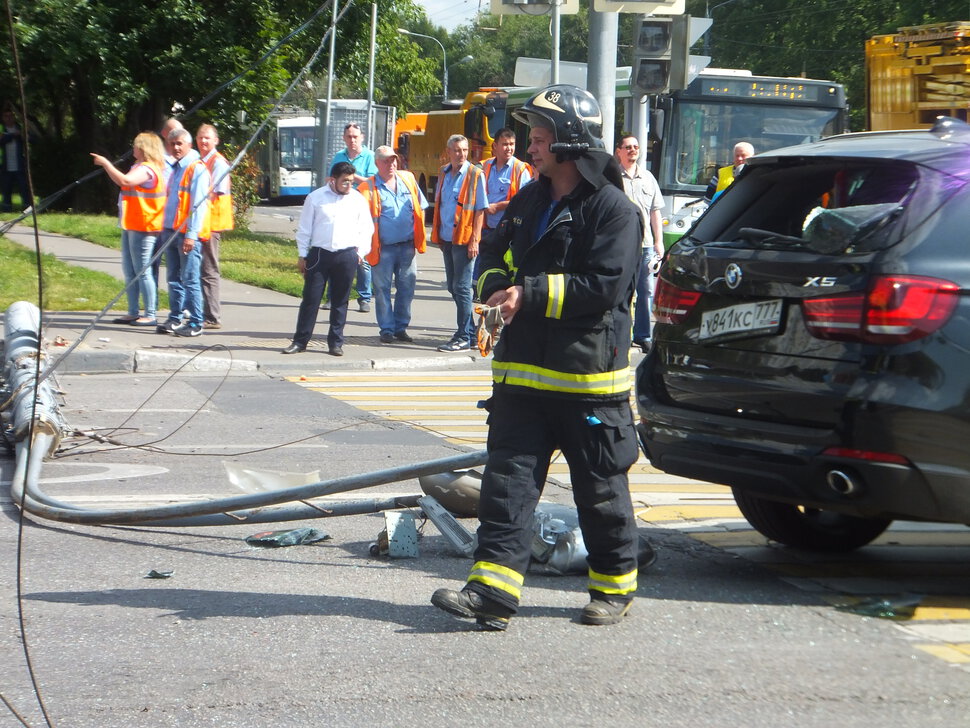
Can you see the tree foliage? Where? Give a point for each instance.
(97, 72)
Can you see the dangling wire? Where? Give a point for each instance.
(235, 162)
(21, 620)
(53, 197)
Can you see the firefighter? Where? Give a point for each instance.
(563, 271)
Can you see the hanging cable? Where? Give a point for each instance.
(235, 162)
(53, 197)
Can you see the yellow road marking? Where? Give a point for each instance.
(957, 653)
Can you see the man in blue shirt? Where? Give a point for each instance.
(397, 207)
(185, 225)
(362, 159)
(459, 211)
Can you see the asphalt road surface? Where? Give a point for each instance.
(724, 631)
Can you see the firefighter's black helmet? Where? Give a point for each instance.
(571, 112)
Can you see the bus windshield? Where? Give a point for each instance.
(296, 147)
(703, 134)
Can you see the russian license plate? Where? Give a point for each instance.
(758, 317)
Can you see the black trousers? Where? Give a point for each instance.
(599, 443)
(322, 266)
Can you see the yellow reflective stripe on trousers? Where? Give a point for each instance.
(557, 294)
(529, 375)
(607, 584)
(498, 577)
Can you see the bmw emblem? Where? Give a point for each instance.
(732, 275)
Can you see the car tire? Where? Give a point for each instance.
(811, 529)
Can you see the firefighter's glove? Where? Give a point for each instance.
(489, 323)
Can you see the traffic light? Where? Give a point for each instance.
(651, 55)
(661, 54)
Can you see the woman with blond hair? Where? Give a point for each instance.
(141, 204)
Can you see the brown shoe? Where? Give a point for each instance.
(211, 325)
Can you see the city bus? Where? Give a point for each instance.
(693, 131)
(286, 157)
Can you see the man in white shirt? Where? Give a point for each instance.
(333, 236)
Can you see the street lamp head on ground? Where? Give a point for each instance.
(444, 59)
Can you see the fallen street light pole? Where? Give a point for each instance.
(37, 427)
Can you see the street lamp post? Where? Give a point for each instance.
(444, 59)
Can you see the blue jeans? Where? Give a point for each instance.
(645, 286)
(184, 279)
(458, 274)
(136, 255)
(398, 267)
(364, 281)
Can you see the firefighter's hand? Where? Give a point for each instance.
(301, 264)
(187, 245)
(509, 301)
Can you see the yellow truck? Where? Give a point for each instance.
(421, 138)
(918, 74)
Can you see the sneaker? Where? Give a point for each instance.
(363, 306)
(187, 330)
(604, 611)
(471, 605)
(167, 327)
(325, 306)
(403, 336)
(459, 345)
(387, 337)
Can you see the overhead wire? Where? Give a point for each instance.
(242, 152)
(32, 210)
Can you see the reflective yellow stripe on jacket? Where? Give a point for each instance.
(550, 380)
(615, 584)
(497, 577)
(557, 295)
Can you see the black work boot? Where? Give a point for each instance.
(471, 605)
(601, 610)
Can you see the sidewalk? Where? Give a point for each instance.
(257, 324)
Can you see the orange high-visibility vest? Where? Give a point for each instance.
(143, 208)
(515, 179)
(220, 206)
(465, 210)
(184, 210)
(369, 190)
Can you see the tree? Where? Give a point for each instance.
(97, 73)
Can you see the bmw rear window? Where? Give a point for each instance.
(828, 206)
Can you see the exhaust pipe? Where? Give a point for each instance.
(842, 483)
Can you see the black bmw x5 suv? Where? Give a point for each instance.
(812, 346)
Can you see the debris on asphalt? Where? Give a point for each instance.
(901, 607)
(155, 574)
(459, 491)
(399, 539)
(292, 537)
(254, 480)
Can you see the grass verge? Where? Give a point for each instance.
(66, 287)
(265, 261)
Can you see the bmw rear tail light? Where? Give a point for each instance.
(895, 310)
(672, 305)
